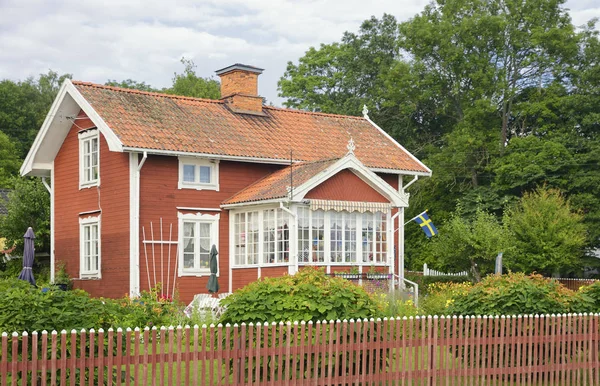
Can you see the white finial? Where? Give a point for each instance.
(351, 146)
(365, 111)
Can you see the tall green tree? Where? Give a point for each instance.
(549, 237)
(24, 105)
(132, 84)
(190, 84)
(471, 245)
(28, 206)
(9, 161)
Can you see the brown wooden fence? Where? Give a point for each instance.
(575, 284)
(523, 350)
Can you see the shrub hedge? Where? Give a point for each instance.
(308, 295)
(517, 293)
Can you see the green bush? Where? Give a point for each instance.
(26, 308)
(517, 293)
(593, 293)
(307, 295)
(148, 309)
(440, 297)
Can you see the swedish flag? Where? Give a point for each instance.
(425, 222)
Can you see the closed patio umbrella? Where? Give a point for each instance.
(213, 283)
(28, 255)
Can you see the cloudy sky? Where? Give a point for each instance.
(97, 40)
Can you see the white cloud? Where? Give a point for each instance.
(97, 40)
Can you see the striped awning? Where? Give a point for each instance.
(350, 206)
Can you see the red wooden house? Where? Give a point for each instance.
(274, 189)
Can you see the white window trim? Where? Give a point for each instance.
(214, 175)
(197, 217)
(261, 242)
(82, 223)
(84, 136)
(359, 245)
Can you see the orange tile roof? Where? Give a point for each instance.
(275, 184)
(162, 122)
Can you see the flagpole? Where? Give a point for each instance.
(416, 216)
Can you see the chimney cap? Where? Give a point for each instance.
(239, 66)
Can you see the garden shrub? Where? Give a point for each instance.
(26, 308)
(396, 304)
(440, 297)
(149, 309)
(308, 295)
(517, 293)
(593, 293)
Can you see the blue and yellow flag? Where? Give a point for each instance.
(425, 222)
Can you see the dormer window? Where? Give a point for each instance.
(200, 174)
(89, 158)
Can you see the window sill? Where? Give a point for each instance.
(195, 273)
(89, 185)
(92, 276)
(269, 265)
(197, 186)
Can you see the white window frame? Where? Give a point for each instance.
(213, 220)
(84, 137)
(359, 260)
(84, 223)
(197, 163)
(262, 252)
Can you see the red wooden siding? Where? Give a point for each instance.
(346, 186)
(112, 197)
(160, 198)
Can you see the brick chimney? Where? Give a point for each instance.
(239, 88)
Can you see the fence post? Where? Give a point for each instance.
(425, 270)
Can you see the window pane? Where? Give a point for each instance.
(283, 236)
(253, 235)
(240, 238)
(204, 260)
(350, 237)
(318, 236)
(367, 237)
(380, 237)
(335, 234)
(303, 235)
(205, 174)
(188, 260)
(204, 230)
(269, 236)
(189, 173)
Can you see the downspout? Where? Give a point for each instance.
(292, 232)
(134, 274)
(393, 267)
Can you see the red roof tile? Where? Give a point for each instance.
(166, 122)
(275, 184)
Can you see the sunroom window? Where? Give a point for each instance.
(261, 237)
(348, 235)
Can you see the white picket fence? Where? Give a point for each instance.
(433, 272)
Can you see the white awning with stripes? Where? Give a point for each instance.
(350, 206)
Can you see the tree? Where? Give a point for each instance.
(341, 77)
(132, 84)
(190, 84)
(28, 206)
(9, 161)
(549, 237)
(468, 244)
(24, 105)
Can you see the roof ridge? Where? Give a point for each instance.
(286, 109)
(149, 93)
